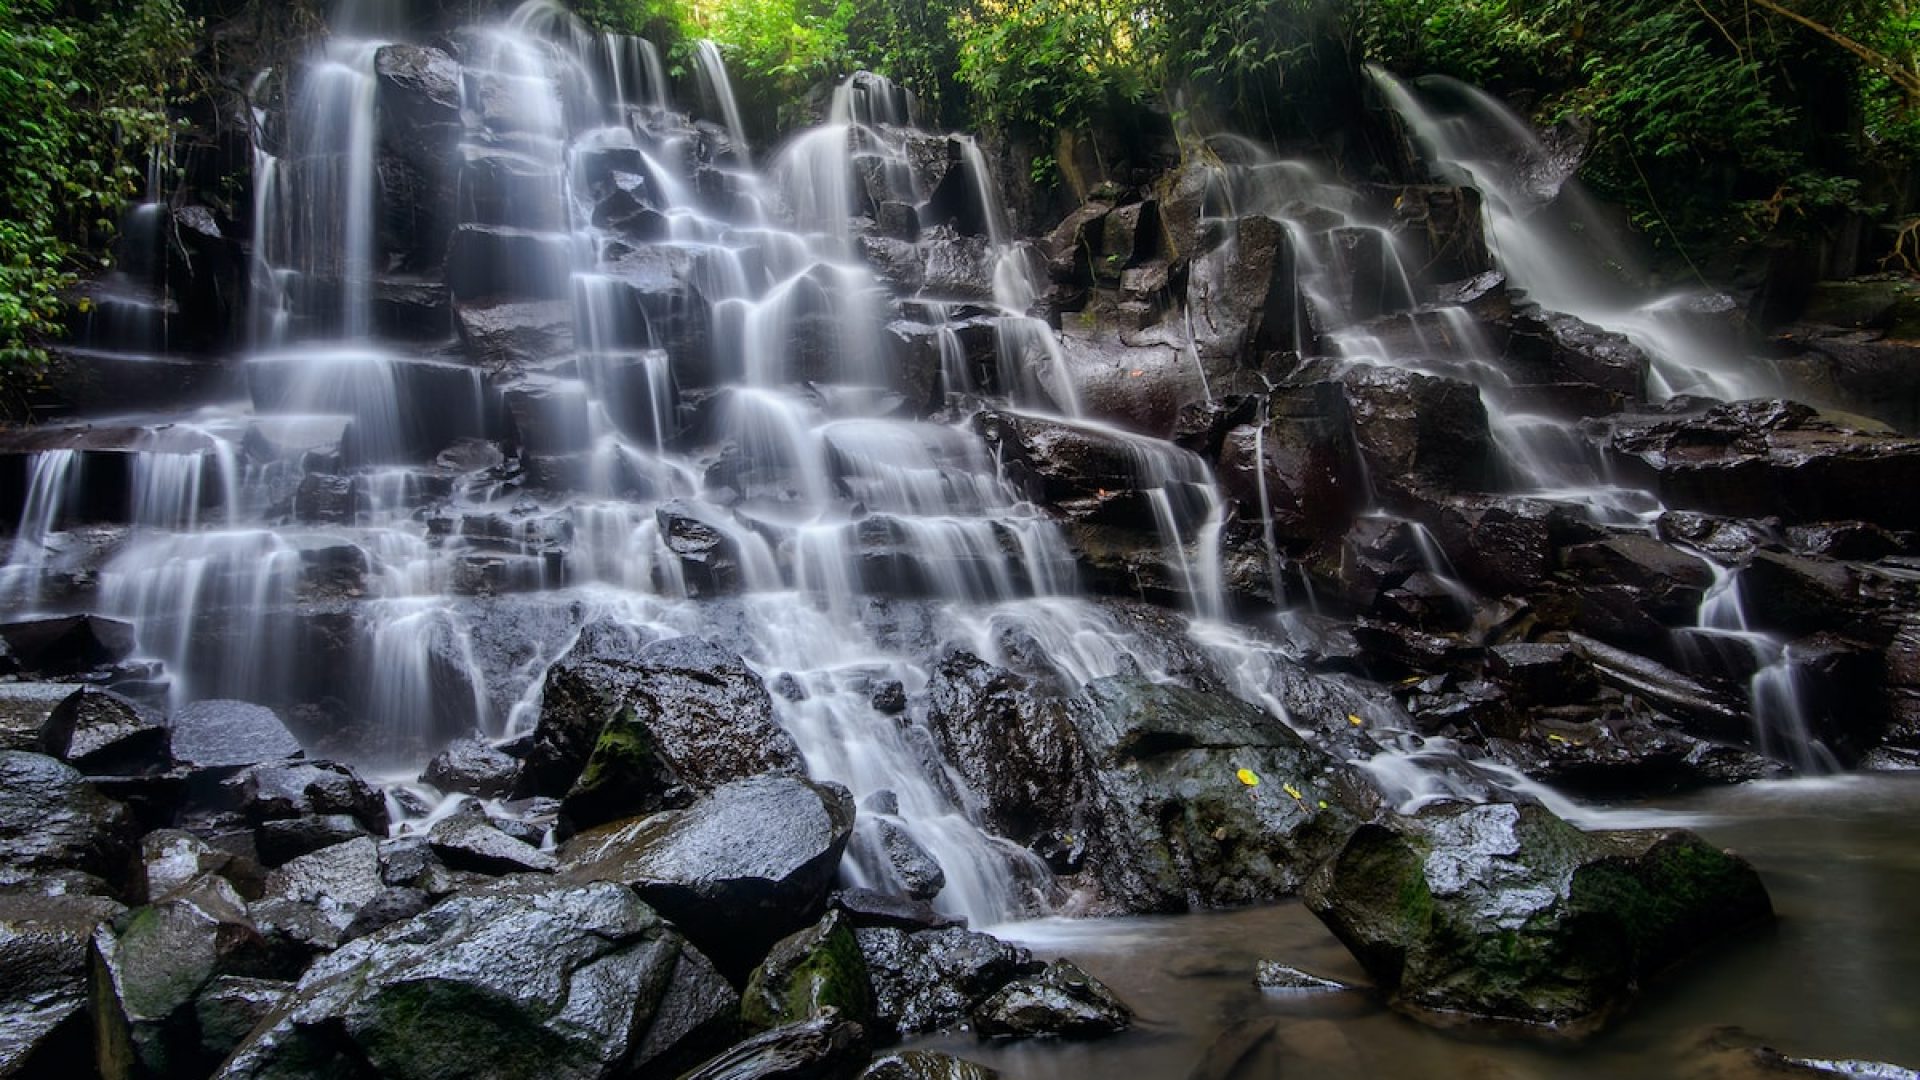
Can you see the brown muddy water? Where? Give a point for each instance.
(1834, 979)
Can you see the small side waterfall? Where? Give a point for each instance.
(1552, 241)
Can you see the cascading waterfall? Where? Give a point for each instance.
(710, 433)
(1552, 241)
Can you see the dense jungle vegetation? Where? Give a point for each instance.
(1718, 124)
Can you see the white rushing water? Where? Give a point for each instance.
(717, 435)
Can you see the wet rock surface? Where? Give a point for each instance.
(746, 865)
(556, 979)
(1502, 912)
(626, 728)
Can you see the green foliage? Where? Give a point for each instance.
(1043, 64)
(1715, 120)
(83, 106)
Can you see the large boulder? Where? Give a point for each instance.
(1013, 744)
(699, 717)
(43, 995)
(1200, 798)
(742, 868)
(1415, 430)
(626, 730)
(100, 732)
(932, 979)
(53, 822)
(150, 966)
(1505, 912)
(553, 979)
(228, 734)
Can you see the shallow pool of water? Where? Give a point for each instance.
(1833, 978)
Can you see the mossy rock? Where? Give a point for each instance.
(818, 968)
(1508, 913)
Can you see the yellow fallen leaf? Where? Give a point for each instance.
(1291, 790)
(1248, 777)
(1354, 720)
(1556, 738)
(1323, 804)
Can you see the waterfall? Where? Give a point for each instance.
(1552, 241)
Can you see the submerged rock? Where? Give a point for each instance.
(1504, 912)
(826, 1047)
(926, 1065)
(1062, 1000)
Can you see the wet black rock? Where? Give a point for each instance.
(1415, 430)
(1301, 466)
(825, 1048)
(387, 907)
(748, 864)
(67, 644)
(869, 908)
(1507, 913)
(625, 730)
(100, 733)
(1759, 459)
(25, 708)
(466, 840)
(508, 337)
(231, 1006)
(816, 969)
(1203, 799)
(280, 791)
(326, 499)
(43, 996)
(289, 838)
(149, 967)
(932, 979)
(918, 872)
(1013, 744)
(335, 881)
(1249, 299)
(172, 859)
(1062, 1001)
(552, 979)
(53, 821)
(217, 734)
(473, 767)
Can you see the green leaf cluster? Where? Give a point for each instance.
(84, 96)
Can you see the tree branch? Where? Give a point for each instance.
(1879, 61)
